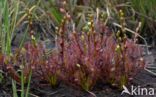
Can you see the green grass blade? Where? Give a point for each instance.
(22, 83)
(14, 88)
(6, 25)
(56, 14)
(28, 86)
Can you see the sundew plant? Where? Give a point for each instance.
(61, 46)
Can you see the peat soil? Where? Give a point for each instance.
(142, 79)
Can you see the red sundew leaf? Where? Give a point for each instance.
(1, 60)
(12, 73)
